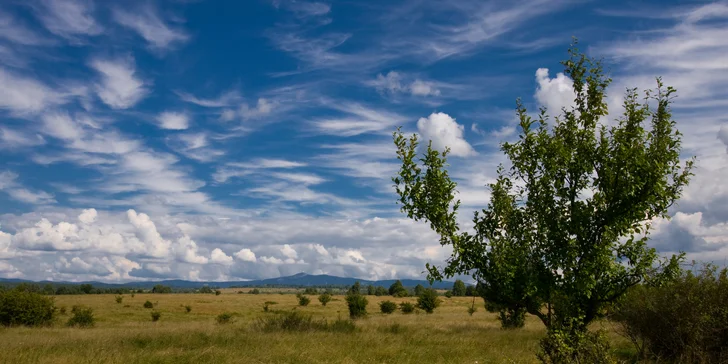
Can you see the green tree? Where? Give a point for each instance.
(458, 288)
(370, 290)
(324, 298)
(397, 289)
(205, 289)
(419, 289)
(355, 288)
(86, 288)
(470, 291)
(564, 234)
(48, 290)
(428, 300)
(380, 291)
(158, 288)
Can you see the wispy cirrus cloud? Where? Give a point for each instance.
(119, 86)
(70, 19)
(146, 22)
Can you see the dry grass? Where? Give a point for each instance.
(127, 335)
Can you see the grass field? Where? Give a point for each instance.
(125, 333)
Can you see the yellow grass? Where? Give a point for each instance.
(125, 333)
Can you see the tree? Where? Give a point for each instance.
(370, 290)
(397, 289)
(355, 288)
(419, 289)
(303, 300)
(428, 300)
(158, 288)
(48, 290)
(86, 288)
(470, 291)
(458, 288)
(324, 298)
(380, 291)
(564, 234)
(357, 305)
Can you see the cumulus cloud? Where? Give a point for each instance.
(246, 255)
(173, 120)
(219, 257)
(445, 132)
(554, 93)
(119, 86)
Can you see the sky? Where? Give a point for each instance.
(237, 140)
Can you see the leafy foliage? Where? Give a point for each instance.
(82, 317)
(254, 291)
(159, 288)
(419, 289)
(398, 290)
(428, 300)
(458, 288)
(310, 291)
(156, 315)
(224, 318)
(296, 321)
(381, 291)
(148, 304)
(564, 234)
(218, 292)
(324, 298)
(20, 307)
(205, 289)
(387, 306)
(407, 307)
(357, 305)
(303, 300)
(119, 299)
(355, 288)
(683, 321)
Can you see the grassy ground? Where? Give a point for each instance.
(125, 333)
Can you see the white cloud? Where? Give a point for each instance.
(61, 126)
(444, 132)
(241, 169)
(13, 139)
(359, 120)
(16, 32)
(88, 216)
(148, 24)
(246, 255)
(395, 82)
(23, 95)
(173, 120)
(289, 252)
(10, 185)
(224, 100)
(120, 88)
(69, 18)
(219, 257)
(424, 88)
(263, 108)
(554, 93)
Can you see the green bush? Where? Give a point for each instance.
(156, 315)
(387, 306)
(684, 321)
(472, 310)
(119, 299)
(589, 347)
(62, 310)
(224, 318)
(205, 289)
(188, 308)
(428, 300)
(357, 305)
(407, 307)
(148, 304)
(303, 300)
(254, 291)
(82, 317)
(18, 307)
(381, 291)
(218, 292)
(310, 291)
(448, 294)
(324, 298)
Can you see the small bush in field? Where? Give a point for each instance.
(357, 305)
(119, 299)
(303, 300)
(310, 291)
(407, 307)
(188, 308)
(218, 292)
(224, 318)
(448, 294)
(132, 295)
(156, 315)
(297, 321)
(148, 304)
(82, 317)
(254, 291)
(324, 298)
(387, 306)
(62, 310)
(428, 300)
(20, 307)
(472, 310)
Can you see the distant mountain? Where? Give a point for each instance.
(296, 280)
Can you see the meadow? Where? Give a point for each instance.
(125, 333)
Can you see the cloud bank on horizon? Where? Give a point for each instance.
(241, 140)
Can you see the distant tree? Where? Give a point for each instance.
(428, 300)
(458, 288)
(48, 289)
(381, 291)
(218, 292)
(86, 288)
(310, 291)
(161, 289)
(355, 288)
(254, 291)
(324, 298)
(205, 289)
(419, 289)
(371, 291)
(397, 289)
(565, 233)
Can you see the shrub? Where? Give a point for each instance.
(188, 308)
(394, 328)
(472, 309)
(448, 294)
(132, 295)
(148, 304)
(218, 292)
(267, 304)
(205, 289)
(346, 326)
(355, 288)
(25, 308)
(240, 292)
(224, 318)
(407, 307)
(310, 291)
(82, 317)
(682, 321)
(586, 347)
(357, 305)
(419, 289)
(324, 298)
(161, 289)
(381, 291)
(303, 300)
(387, 306)
(119, 299)
(156, 315)
(254, 291)
(428, 300)
(398, 290)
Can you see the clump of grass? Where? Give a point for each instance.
(224, 318)
(407, 307)
(82, 317)
(127, 305)
(267, 304)
(188, 308)
(254, 291)
(62, 310)
(218, 292)
(148, 304)
(394, 328)
(296, 321)
(156, 315)
(119, 299)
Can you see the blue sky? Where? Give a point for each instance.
(226, 140)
